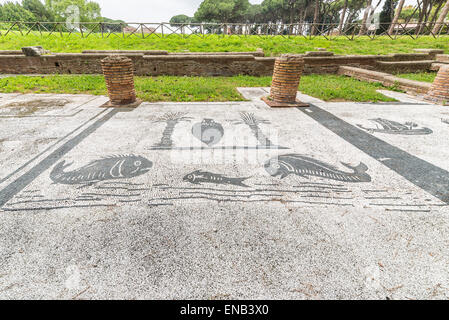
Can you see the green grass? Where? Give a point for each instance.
(341, 88)
(424, 76)
(215, 43)
(186, 89)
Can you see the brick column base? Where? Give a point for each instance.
(286, 77)
(119, 75)
(439, 92)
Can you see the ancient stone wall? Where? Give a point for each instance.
(151, 65)
(155, 63)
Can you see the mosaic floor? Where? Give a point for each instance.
(223, 200)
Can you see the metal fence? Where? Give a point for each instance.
(204, 30)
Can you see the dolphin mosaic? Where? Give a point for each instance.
(305, 167)
(109, 168)
(393, 127)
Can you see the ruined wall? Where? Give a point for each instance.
(155, 63)
(150, 65)
(407, 85)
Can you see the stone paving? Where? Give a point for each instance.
(223, 200)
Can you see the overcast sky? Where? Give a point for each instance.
(146, 10)
(149, 10)
(153, 10)
(158, 10)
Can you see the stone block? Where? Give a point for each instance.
(34, 51)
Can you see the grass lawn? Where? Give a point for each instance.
(215, 43)
(424, 76)
(185, 89)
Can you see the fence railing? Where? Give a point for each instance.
(203, 30)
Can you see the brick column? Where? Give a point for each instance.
(439, 92)
(119, 75)
(286, 77)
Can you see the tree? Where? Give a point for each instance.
(424, 6)
(273, 10)
(254, 14)
(38, 9)
(110, 25)
(13, 11)
(396, 17)
(366, 15)
(222, 11)
(342, 18)
(441, 18)
(315, 16)
(89, 11)
(386, 15)
(436, 11)
(181, 19)
(408, 13)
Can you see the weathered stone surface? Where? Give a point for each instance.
(10, 52)
(437, 66)
(35, 51)
(432, 52)
(320, 53)
(125, 52)
(196, 64)
(444, 58)
(410, 86)
(145, 65)
(404, 66)
(158, 236)
(407, 57)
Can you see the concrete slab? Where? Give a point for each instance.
(255, 94)
(223, 200)
(403, 97)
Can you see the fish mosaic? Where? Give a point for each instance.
(209, 132)
(445, 121)
(109, 168)
(304, 166)
(393, 127)
(199, 177)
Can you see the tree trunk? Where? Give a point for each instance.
(302, 19)
(422, 16)
(435, 15)
(365, 18)
(315, 17)
(441, 18)
(427, 14)
(290, 29)
(342, 18)
(349, 19)
(396, 17)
